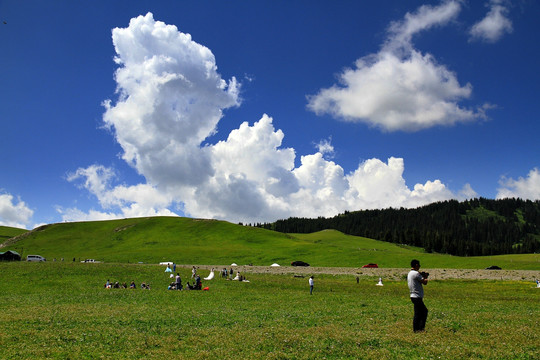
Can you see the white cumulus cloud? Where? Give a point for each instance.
(122, 201)
(170, 100)
(399, 88)
(14, 213)
(524, 188)
(494, 25)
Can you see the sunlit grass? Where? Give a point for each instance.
(62, 311)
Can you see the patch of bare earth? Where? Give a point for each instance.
(385, 273)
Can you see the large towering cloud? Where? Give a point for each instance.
(170, 100)
(399, 88)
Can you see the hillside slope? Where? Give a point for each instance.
(7, 232)
(469, 228)
(195, 241)
(150, 240)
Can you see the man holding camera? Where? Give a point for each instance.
(416, 280)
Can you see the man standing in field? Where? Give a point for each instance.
(416, 280)
(311, 285)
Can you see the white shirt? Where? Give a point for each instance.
(310, 282)
(414, 280)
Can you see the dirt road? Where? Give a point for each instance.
(388, 274)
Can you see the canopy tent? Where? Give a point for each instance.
(10, 255)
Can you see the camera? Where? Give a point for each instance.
(424, 274)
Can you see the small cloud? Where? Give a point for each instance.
(492, 27)
(325, 147)
(466, 193)
(14, 213)
(524, 188)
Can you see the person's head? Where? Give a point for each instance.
(311, 277)
(415, 264)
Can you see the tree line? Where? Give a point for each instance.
(470, 228)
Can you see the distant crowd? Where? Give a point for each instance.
(132, 285)
(196, 283)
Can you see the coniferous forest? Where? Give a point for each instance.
(470, 228)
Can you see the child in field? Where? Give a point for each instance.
(178, 282)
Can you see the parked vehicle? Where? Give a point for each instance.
(370, 265)
(299, 263)
(35, 258)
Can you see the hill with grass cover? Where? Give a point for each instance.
(7, 232)
(469, 228)
(196, 241)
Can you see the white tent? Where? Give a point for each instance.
(274, 264)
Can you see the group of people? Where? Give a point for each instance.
(177, 284)
(132, 285)
(225, 273)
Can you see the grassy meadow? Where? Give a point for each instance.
(60, 310)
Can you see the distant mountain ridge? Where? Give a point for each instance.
(475, 227)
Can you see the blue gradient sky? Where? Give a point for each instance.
(347, 86)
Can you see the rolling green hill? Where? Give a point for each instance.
(7, 232)
(195, 241)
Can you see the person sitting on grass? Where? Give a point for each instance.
(198, 283)
(132, 285)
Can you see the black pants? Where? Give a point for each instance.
(420, 314)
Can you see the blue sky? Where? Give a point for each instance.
(255, 111)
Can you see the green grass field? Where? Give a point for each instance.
(7, 232)
(195, 241)
(61, 311)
